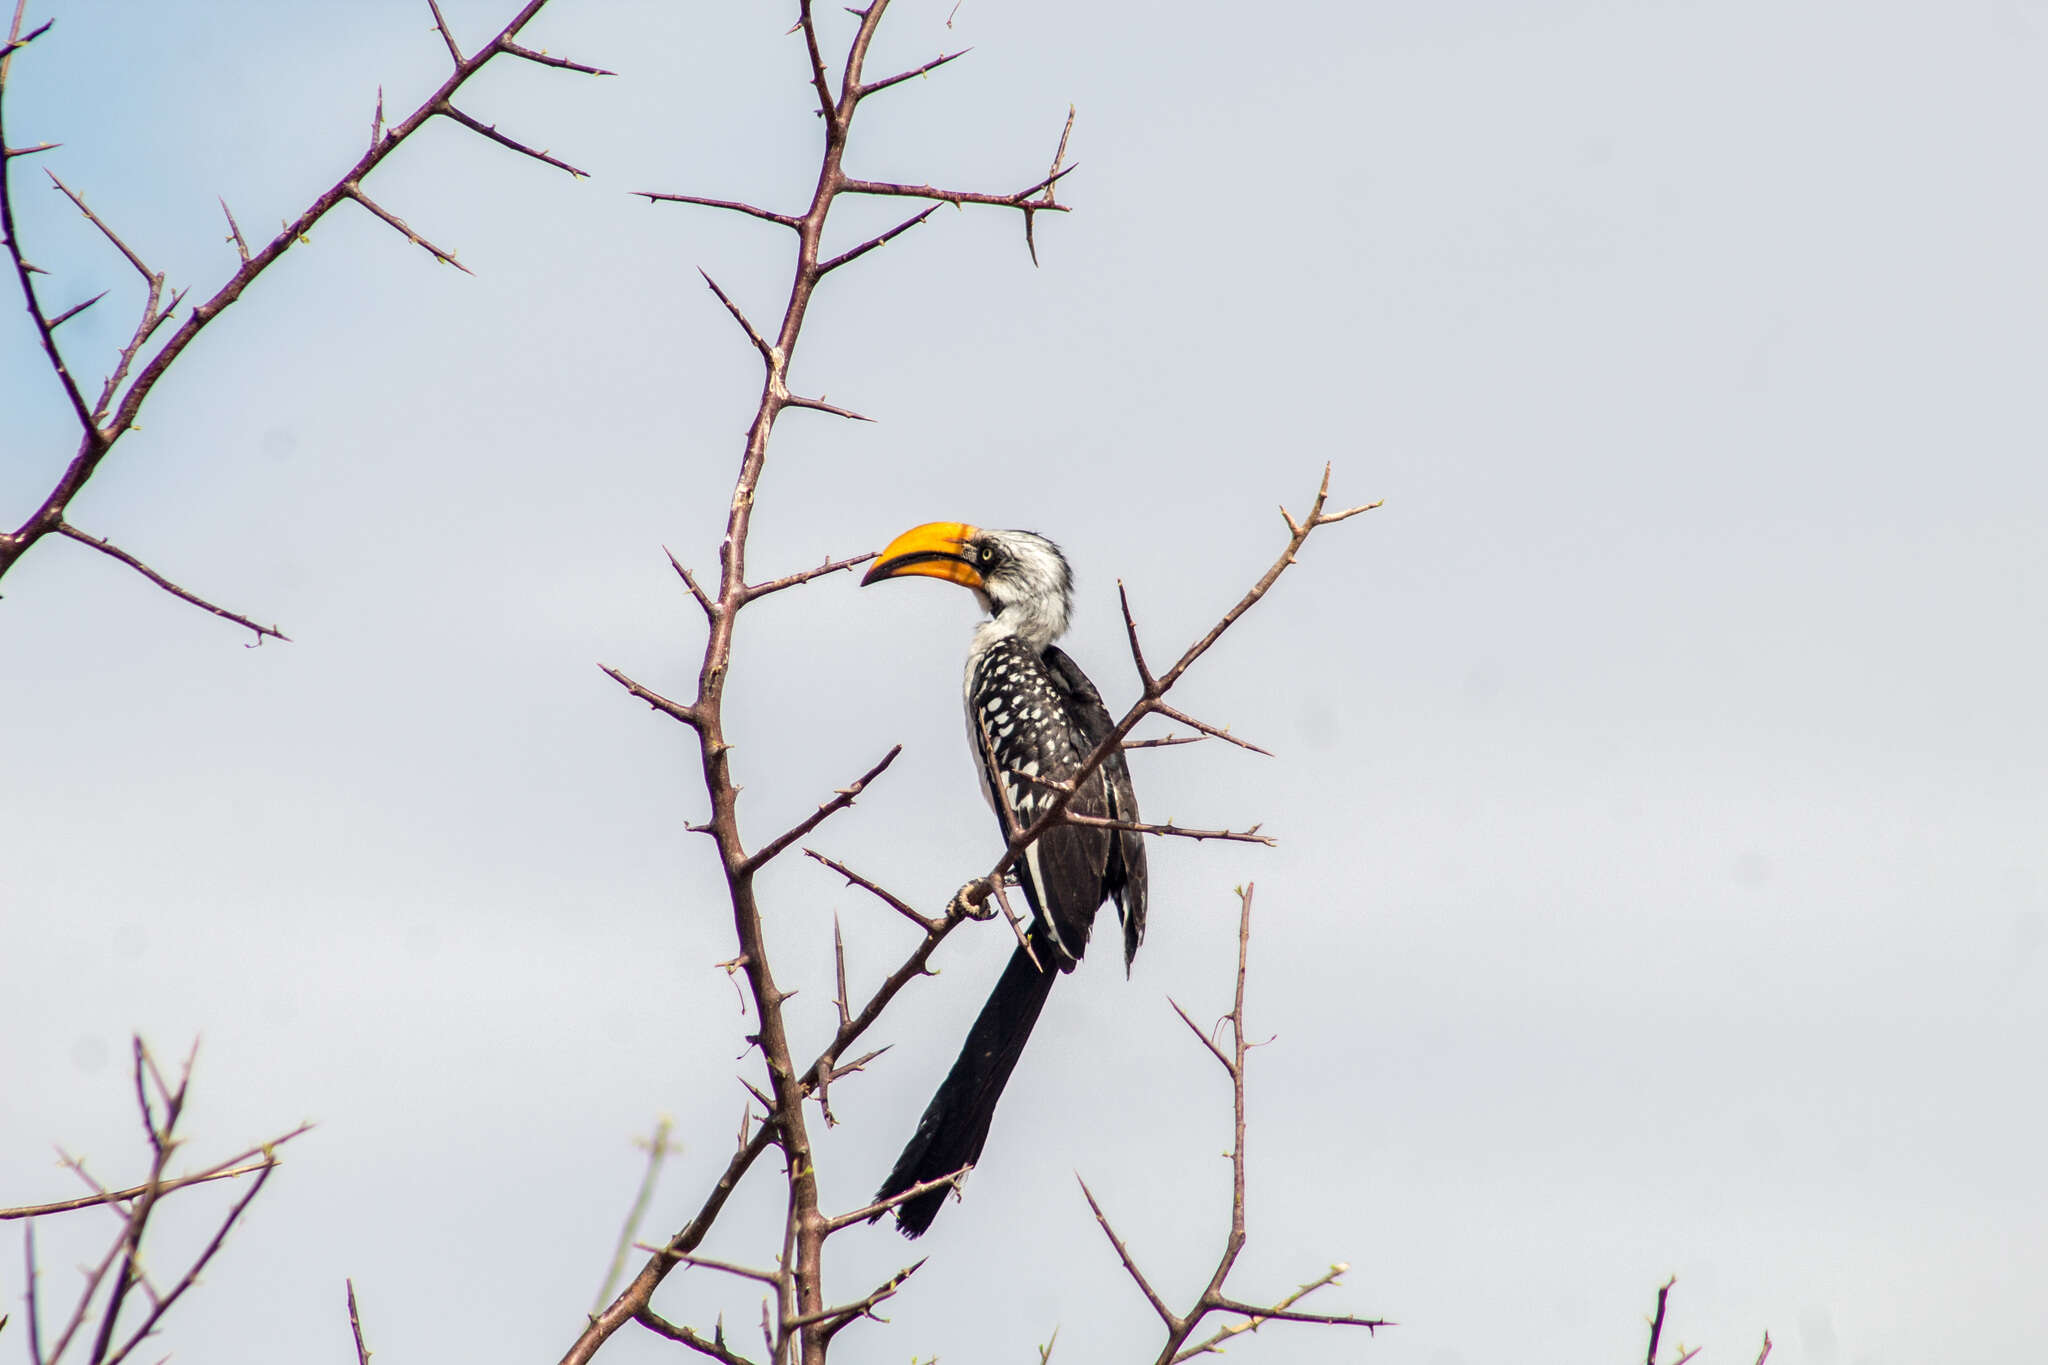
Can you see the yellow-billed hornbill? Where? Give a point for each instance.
(1031, 713)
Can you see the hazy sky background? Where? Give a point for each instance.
(1662, 885)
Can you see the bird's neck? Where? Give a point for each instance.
(1036, 623)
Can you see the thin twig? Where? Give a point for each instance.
(760, 342)
(227, 1170)
(841, 799)
(399, 225)
(881, 239)
(490, 130)
(887, 898)
(116, 552)
(768, 1277)
(869, 1212)
(1163, 742)
(1239, 836)
(355, 1326)
(75, 310)
(836, 1318)
(1657, 1323)
(512, 49)
(448, 37)
(658, 1149)
(105, 231)
(757, 591)
(715, 1348)
(1123, 1253)
(768, 215)
(686, 714)
(235, 229)
(933, 65)
(1015, 200)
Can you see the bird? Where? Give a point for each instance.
(1031, 713)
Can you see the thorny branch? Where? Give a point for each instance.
(102, 424)
(804, 1323)
(1152, 700)
(119, 1273)
(1212, 1300)
(1684, 1355)
(797, 1322)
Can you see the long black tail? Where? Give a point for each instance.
(956, 1122)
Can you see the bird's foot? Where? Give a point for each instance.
(973, 901)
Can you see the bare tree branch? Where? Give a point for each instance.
(448, 37)
(490, 130)
(512, 49)
(1657, 1323)
(1016, 200)
(116, 552)
(868, 1213)
(404, 230)
(759, 590)
(355, 1326)
(233, 1167)
(760, 342)
(1240, 836)
(686, 714)
(786, 220)
(871, 243)
(658, 1149)
(1123, 1253)
(887, 898)
(75, 310)
(715, 1348)
(841, 799)
(235, 229)
(933, 65)
(123, 1261)
(102, 426)
(1212, 1299)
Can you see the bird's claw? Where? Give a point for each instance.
(965, 902)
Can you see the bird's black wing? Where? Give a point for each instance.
(1025, 716)
(1124, 874)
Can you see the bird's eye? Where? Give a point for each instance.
(987, 554)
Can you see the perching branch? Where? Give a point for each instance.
(798, 1323)
(104, 423)
(1154, 690)
(800, 1319)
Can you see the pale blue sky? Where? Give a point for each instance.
(1661, 888)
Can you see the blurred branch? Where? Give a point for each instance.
(119, 1273)
(658, 1148)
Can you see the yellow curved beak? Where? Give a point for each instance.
(936, 549)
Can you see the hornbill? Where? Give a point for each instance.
(1031, 713)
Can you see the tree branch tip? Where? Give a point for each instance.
(1329, 518)
(11, 48)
